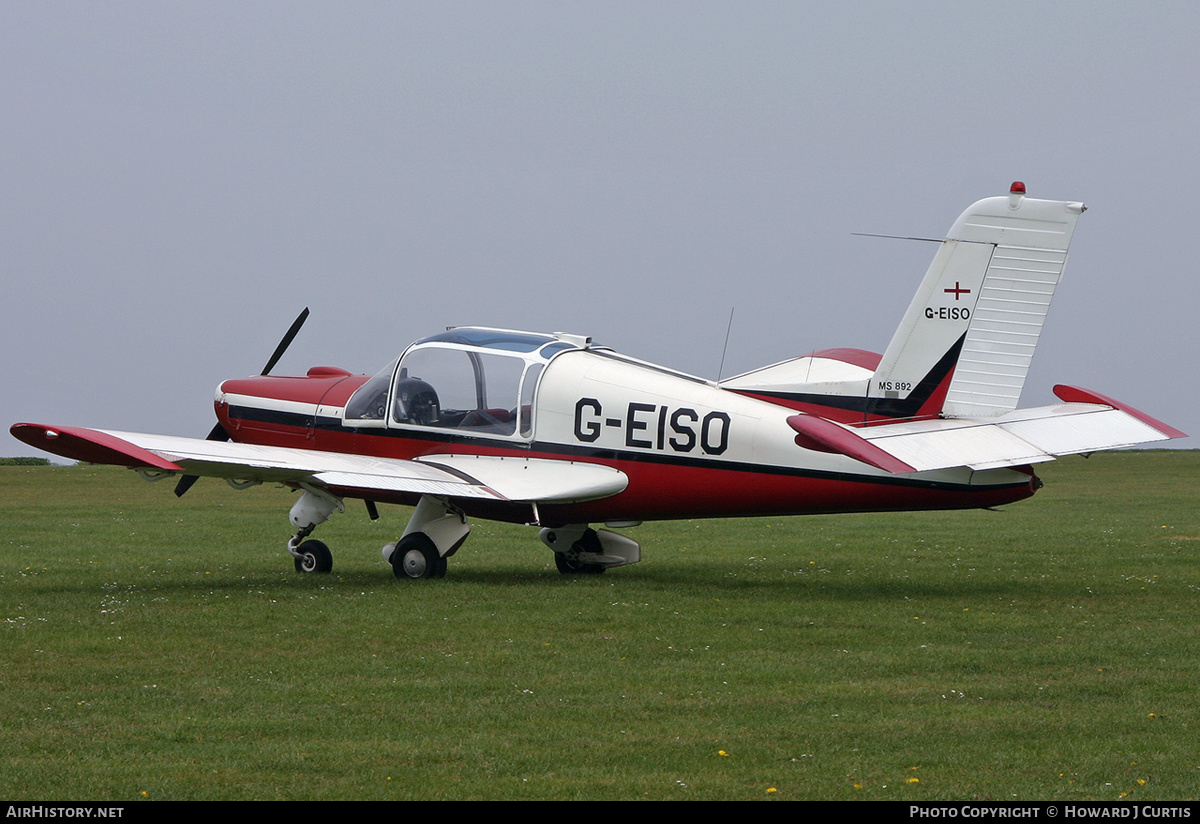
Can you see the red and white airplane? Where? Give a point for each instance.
(556, 431)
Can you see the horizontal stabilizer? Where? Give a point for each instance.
(1086, 423)
(826, 436)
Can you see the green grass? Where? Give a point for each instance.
(164, 649)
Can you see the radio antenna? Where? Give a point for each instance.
(896, 237)
(721, 368)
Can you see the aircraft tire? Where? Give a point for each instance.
(415, 557)
(315, 558)
(569, 565)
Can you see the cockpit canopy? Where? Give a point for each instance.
(474, 380)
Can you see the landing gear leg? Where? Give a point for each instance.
(314, 507)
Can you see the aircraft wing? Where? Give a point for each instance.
(451, 476)
(1085, 422)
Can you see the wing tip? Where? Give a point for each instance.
(1077, 394)
(817, 433)
(89, 446)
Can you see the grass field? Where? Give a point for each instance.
(154, 648)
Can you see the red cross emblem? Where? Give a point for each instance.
(957, 290)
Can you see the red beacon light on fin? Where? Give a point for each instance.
(1016, 194)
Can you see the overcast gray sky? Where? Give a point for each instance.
(180, 179)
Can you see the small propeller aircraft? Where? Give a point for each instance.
(556, 431)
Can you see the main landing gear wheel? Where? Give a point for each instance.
(568, 563)
(314, 557)
(571, 565)
(416, 557)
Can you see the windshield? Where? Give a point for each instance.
(369, 401)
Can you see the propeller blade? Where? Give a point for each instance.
(185, 483)
(218, 433)
(286, 342)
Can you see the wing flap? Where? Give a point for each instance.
(390, 482)
(536, 479)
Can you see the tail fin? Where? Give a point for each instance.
(968, 337)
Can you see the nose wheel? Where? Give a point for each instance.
(313, 557)
(312, 508)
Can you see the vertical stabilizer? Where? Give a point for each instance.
(966, 342)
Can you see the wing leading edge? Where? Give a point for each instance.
(451, 476)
